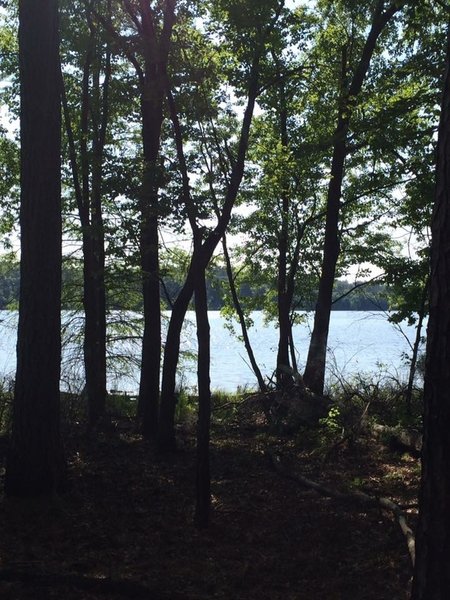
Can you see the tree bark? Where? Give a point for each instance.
(283, 369)
(153, 82)
(203, 480)
(314, 375)
(97, 387)
(152, 117)
(432, 575)
(36, 464)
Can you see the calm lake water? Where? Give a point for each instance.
(358, 342)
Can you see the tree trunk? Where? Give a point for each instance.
(415, 349)
(432, 575)
(153, 89)
(94, 301)
(36, 463)
(152, 118)
(166, 425)
(203, 481)
(314, 376)
(94, 260)
(283, 370)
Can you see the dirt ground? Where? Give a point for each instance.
(125, 530)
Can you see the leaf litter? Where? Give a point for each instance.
(125, 529)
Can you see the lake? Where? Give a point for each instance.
(359, 342)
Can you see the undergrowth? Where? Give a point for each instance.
(6, 398)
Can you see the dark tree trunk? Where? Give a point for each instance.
(154, 45)
(432, 575)
(153, 90)
(152, 118)
(283, 370)
(94, 261)
(166, 425)
(36, 462)
(314, 375)
(94, 301)
(203, 481)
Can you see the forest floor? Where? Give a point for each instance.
(125, 530)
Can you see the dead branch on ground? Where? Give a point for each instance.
(356, 497)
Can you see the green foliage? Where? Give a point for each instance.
(225, 405)
(6, 398)
(121, 405)
(332, 422)
(9, 188)
(73, 408)
(186, 407)
(9, 282)
(308, 57)
(361, 295)
(378, 397)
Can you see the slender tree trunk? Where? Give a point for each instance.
(416, 346)
(36, 462)
(166, 425)
(152, 118)
(432, 575)
(94, 300)
(283, 375)
(94, 256)
(154, 46)
(203, 480)
(315, 365)
(314, 375)
(241, 317)
(292, 349)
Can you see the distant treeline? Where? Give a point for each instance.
(373, 296)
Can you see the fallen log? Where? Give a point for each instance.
(356, 497)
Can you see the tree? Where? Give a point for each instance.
(350, 85)
(203, 480)
(36, 462)
(87, 173)
(252, 36)
(148, 50)
(431, 576)
(291, 147)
